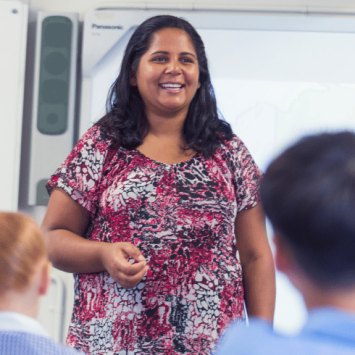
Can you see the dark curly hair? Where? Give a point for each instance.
(126, 122)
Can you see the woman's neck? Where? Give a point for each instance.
(164, 141)
(166, 126)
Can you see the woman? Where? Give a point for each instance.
(24, 278)
(154, 188)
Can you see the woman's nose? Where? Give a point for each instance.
(173, 67)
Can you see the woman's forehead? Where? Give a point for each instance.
(171, 37)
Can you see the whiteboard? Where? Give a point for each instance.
(13, 38)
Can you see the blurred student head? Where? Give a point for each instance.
(24, 266)
(308, 194)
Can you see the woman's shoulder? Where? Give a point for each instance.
(92, 135)
(93, 138)
(92, 147)
(236, 154)
(233, 144)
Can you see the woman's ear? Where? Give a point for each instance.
(132, 78)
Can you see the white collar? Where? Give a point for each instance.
(17, 322)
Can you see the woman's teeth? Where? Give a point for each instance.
(173, 86)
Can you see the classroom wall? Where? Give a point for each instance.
(297, 6)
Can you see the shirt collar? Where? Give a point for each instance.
(17, 322)
(331, 323)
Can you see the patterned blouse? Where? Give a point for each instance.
(181, 217)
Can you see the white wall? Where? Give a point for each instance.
(301, 6)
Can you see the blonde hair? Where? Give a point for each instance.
(21, 247)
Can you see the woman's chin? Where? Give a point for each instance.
(174, 107)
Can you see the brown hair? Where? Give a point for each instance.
(21, 247)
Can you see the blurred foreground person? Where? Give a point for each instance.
(24, 277)
(308, 194)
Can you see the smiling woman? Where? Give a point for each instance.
(168, 75)
(152, 205)
(167, 79)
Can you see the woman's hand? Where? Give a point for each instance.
(116, 259)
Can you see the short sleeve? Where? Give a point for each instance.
(246, 174)
(80, 174)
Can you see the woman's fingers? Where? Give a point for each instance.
(117, 260)
(130, 281)
(128, 268)
(131, 251)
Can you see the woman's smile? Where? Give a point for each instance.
(173, 88)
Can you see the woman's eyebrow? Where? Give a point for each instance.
(182, 53)
(159, 52)
(188, 53)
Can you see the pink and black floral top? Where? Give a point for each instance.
(182, 218)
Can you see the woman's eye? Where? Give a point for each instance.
(159, 59)
(186, 60)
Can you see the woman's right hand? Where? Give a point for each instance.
(116, 260)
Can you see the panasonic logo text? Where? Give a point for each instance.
(101, 27)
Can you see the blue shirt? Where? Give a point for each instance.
(23, 335)
(327, 332)
(17, 322)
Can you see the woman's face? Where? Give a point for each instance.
(168, 74)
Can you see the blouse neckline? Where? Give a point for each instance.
(166, 164)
